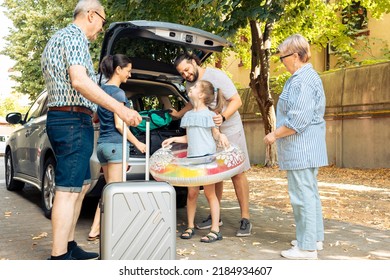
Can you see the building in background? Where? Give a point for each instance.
(378, 39)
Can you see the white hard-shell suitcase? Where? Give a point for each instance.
(138, 218)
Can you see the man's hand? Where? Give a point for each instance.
(218, 120)
(130, 116)
(174, 113)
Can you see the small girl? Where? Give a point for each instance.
(201, 136)
(117, 68)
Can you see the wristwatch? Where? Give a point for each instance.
(223, 118)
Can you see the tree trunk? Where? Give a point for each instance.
(259, 83)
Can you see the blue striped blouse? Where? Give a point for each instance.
(301, 107)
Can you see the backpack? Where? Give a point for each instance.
(158, 119)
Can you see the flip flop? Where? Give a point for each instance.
(93, 238)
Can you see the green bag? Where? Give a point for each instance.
(158, 119)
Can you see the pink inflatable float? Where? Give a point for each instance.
(171, 164)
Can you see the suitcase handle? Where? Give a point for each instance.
(125, 155)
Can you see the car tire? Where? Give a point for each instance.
(10, 182)
(48, 186)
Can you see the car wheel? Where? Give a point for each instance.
(10, 182)
(48, 186)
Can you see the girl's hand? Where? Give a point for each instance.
(167, 142)
(223, 141)
(141, 147)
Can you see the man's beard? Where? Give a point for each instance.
(195, 76)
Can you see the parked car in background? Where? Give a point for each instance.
(3, 139)
(154, 84)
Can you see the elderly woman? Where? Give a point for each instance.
(300, 138)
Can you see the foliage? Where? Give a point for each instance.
(32, 27)
(277, 82)
(11, 104)
(230, 18)
(167, 10)
(255, 27)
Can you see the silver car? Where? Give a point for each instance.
(29, 157)
(154, 84)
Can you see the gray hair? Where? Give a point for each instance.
(87, 5)
(296, 44)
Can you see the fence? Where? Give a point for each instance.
(357, 116)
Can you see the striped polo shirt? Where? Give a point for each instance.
(68, 46)
(301, 107)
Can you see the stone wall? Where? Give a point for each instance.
(357, 115)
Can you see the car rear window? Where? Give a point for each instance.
(141, 50)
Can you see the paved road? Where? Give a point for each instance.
(25, 234)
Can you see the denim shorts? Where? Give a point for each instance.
(109, 153)
(71, 136)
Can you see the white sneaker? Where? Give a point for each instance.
(297, 254)
(320, 245)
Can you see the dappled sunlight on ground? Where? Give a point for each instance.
(351, 195)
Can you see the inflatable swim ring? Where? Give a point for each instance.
(171, 164)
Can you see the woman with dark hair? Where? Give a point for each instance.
(117, 69)
(300, 137)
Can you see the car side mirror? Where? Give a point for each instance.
(14, 118)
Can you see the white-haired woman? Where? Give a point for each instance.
(300, 137)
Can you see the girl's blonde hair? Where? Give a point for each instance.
(212, 94)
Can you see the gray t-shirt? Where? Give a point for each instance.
(199, 126)
(221, 81)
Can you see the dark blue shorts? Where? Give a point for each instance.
(71, 137)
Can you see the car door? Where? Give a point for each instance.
(30, 138)
(153, 46)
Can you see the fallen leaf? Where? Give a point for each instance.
(184, 252)
(40, 236)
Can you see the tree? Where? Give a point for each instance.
(12, 104)
(270, 22)
(257, 27)
(34, 22)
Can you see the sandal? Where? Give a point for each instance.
(212, 236)
(93, 238)
(188, 233)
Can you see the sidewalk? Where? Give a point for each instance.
(25, 234)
